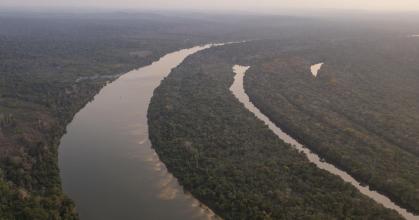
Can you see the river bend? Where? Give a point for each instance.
(107, 164)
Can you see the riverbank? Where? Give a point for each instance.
(106, 159)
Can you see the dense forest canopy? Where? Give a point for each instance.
(52, 64)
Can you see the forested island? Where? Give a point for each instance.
(230, 160)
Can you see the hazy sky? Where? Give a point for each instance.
(247, 5)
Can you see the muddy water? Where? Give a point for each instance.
(238, 90)
(107, 164)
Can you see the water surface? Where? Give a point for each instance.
(315, 69)
(107, 164)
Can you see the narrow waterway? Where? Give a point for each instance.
(108, 166)
(238, 90)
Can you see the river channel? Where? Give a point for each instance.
(239, 92)
(107, 164)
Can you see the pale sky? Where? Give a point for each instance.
(247, 5)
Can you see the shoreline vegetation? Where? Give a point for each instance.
(231, 161)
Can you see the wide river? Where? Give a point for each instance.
(107, 164)
(239, 92)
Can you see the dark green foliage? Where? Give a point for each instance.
(231, 161)
(16, 203)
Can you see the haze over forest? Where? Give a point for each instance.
(243, 5)
(209, 109)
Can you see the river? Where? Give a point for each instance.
(107, 164)
(238, 90)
